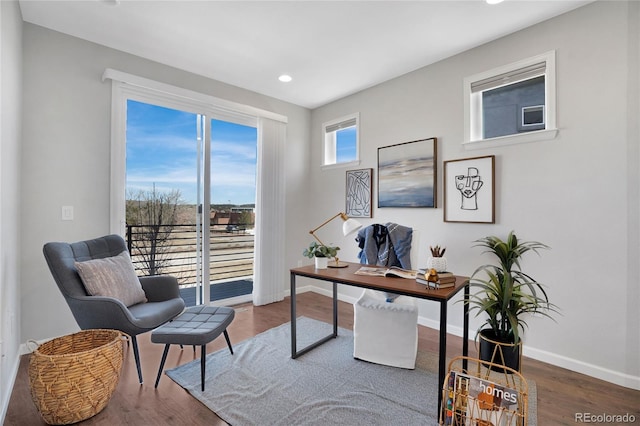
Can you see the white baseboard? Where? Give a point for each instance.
(591, 370)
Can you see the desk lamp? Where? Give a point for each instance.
(348, 227)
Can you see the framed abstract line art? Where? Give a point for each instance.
(469, 186)
(407, 174)
(358, 194)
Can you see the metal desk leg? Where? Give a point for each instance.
(293, 316)
(295, 353)
(335, 309)
(465, 328)
(442, 357)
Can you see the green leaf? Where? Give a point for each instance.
(505, 293)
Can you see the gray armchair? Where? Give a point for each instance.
(163, 296)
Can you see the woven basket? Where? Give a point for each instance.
(73, 377)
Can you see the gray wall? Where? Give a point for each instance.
(66, 149)
(577, 193)
(10, 125)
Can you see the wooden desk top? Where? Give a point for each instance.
(404, 286)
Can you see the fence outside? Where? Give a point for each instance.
(231, 255)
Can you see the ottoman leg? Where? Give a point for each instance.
(164, 358)
(226, 336)
(203, 363)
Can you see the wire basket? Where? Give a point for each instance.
(73, 377)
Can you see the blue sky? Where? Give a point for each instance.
(162, 150)
(346, 145)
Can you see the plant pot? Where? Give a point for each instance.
(321, 262)
(499, 351)
(437, 263)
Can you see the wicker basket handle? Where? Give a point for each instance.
(33, 348)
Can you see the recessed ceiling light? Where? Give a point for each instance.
(494, 1)
(285, 78)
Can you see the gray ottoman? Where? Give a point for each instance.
(197, 325)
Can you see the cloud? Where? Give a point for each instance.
(162, 149)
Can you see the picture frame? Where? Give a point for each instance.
(407, 174)
(469, 190)
(358, 194)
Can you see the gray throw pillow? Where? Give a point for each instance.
(112, 277)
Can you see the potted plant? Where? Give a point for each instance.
(437, 260)
(507, 295)
(321, 253)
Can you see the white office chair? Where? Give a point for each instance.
(385, 333)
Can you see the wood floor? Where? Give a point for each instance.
(561, 393)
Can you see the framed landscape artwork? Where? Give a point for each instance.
(358, 194)
(469, 186)
(407, 174)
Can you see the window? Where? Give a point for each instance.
(511, 104)
(533, 116)
(340, 139)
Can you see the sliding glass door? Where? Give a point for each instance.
(190, 197)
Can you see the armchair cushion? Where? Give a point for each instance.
(159, 288)
(113, 277)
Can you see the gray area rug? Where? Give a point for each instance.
(261, 385)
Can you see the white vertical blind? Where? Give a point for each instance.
(269, 268)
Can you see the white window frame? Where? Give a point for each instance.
(523, 113)
(473, 104)
(329, 143)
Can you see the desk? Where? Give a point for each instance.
(403, 286)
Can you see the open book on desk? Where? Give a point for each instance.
(394, 271)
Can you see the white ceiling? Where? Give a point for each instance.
(330, 48)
